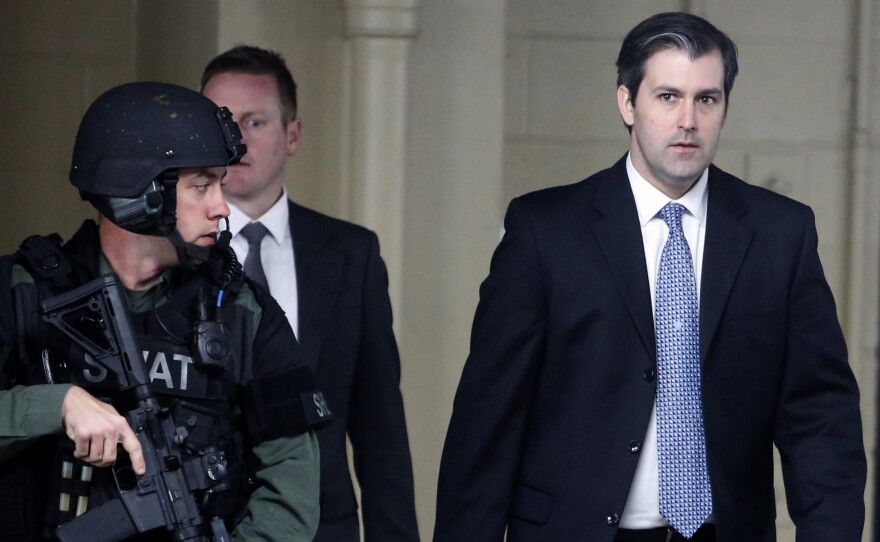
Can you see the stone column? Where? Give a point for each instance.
(454, 205)
(379, 33)
(860, 306)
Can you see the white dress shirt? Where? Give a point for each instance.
(276, 254)
(642, 509)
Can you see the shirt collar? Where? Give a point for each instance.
(649, 200)
(276, 219)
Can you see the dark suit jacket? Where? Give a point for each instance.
(346, 337)
(557, 392)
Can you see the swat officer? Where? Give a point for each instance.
(151, 158)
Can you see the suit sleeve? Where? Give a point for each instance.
(819, 433)
(484, 443)
(376, 423)
(284, 505)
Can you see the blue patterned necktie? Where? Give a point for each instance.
(685, 491)
(253, 233)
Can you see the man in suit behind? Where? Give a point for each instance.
(645, 337)
(328, 277)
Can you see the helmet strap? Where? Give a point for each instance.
(167, 222)
(189, 255)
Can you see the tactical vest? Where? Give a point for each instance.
(46, 486)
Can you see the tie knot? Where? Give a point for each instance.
(254, 233)
(671, 214)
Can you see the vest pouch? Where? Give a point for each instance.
(24, 486)
(20, 522)
(203, 426)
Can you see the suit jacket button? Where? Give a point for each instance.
(612, 520)
(649, 374)
(635, 446)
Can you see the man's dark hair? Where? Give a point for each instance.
(256, 61)
(681, 31)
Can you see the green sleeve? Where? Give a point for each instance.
(27, 412)
(285, 504)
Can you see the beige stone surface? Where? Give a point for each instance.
(501, 97)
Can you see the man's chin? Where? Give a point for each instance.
(690, 171)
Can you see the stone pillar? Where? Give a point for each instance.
(454, 205)
(860, 306)
(379, 33)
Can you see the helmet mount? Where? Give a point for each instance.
(153, 211)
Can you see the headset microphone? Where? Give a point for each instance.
(225, 236)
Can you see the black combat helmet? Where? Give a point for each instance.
(131, 143)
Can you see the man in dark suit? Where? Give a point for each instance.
(337, 302)
(645, 337)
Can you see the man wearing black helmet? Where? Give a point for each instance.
(151, 158)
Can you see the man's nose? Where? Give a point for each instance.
(218, 208)
(687, 116)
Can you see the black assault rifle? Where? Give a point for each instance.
(95, 317)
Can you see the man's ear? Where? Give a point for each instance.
(625, 105)
(294, 134)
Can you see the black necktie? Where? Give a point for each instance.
(253, 264)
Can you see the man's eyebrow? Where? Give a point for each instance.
(250, 113)
(666, 89)
(207, 174)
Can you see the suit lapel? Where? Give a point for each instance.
(617, 230)
(318, 275)
(727, 241)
